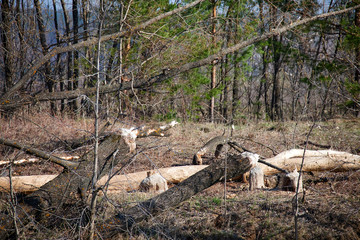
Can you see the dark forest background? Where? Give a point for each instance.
(309, 72)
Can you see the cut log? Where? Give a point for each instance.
(207, 177)
(315, 160)
(322, 160)
(25, 184)
(126, 182)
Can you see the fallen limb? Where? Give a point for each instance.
(236, 165)
(39, 153)
(33, 160)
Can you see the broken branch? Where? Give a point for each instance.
(38, 153)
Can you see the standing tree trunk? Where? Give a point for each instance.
(58, 67)
(213, 68)
(75, 85)
(6, 44)
(69, 54)
(225, 71)
(276, 112)
(357, 60)
(263, 81)
(42, 33)
(357, 51)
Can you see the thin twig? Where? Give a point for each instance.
(298, 184)
(13, 200)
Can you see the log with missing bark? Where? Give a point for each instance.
(321, 160)
(315, 160)
(70, 189)
(124, 182)
(236, 165)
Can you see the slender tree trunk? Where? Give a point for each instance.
(262, 86)
(225, 71)
(357, 51)
(235, 86)
(236, 77)
(42, 33)
(58, 68)
(213, 68)
(97, 119)
(69, 54)
(20, 25)
(75, 15)
(6, 43)
(313, 73)
(276, 112)
(357, 60)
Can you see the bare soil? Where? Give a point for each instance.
(328, 209)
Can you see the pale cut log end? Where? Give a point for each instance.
(253, 157)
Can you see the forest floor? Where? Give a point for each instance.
(329, 208)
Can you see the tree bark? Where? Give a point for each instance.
(6, 44)
(213, 68)
(44, 46)
(207, 177)
(357, 50)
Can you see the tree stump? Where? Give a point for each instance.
(256, 179)
(288, 182)
(154, 183)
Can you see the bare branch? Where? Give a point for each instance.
(31, 72)
(38, 153)
(5, 103)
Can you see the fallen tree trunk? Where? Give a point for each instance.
(51, 202)
(236, 165)
(320, 160)
(32, 160)
(315, 160)
(131, 181)
(128, 182)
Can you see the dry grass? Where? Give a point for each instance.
(330, 210)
